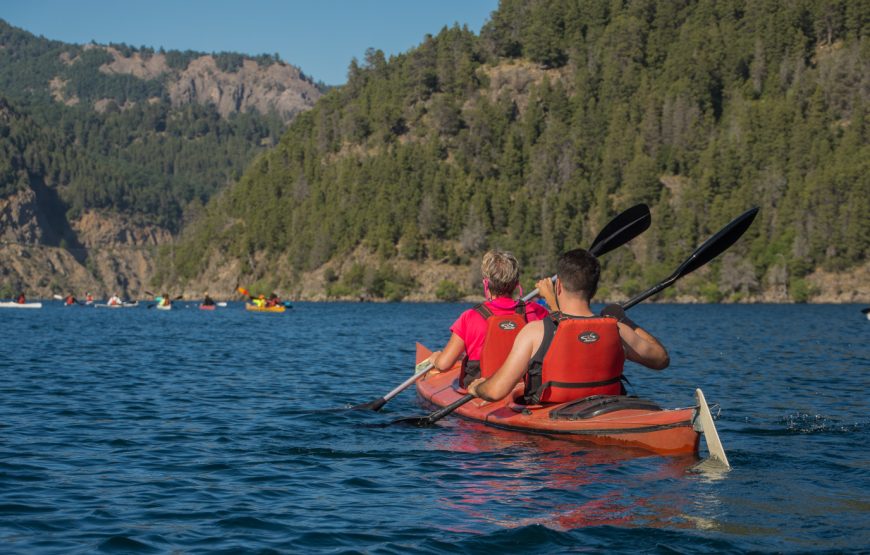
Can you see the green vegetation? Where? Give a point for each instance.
(362, 281)
(139, 156)
(561, 114)
(448, 291)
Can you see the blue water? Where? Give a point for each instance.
(188, 431)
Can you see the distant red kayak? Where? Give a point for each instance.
(606, 420)
(207, 307)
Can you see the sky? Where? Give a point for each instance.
(319, 36)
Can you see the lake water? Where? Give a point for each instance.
(191, 431)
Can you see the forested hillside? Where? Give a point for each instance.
(559, 115)
(124, 129)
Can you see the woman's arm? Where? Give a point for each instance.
(444, 360)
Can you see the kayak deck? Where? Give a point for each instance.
(627, 422)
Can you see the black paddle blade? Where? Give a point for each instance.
(865, 310)
(375, 405)
(717, 244)
(424, 421)
(622, 229)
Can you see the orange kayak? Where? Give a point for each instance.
(601, 419)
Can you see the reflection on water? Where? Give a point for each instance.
(511, 470)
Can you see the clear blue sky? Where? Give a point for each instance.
(320, 36)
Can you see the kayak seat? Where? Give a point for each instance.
(597, 405)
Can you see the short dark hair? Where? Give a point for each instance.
(579, 272)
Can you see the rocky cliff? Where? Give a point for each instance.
(268, 88)
(104, 253)
(276, 87)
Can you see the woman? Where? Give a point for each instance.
(484, 334)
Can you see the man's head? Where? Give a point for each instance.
(502, 271)
(579, 272)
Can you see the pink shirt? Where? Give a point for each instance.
(471, 326)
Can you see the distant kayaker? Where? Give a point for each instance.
(163, 300)
(70, 299)
(89, 299)
(273, 300)
(21, 299)
(259, 301)
(207, 301)
(573, 353)
(115, 300)
(484, 334)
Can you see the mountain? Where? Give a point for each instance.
(531, 135)
(107, 150)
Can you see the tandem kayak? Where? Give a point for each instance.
(255, 308)
(13, 304)
(122, 305)
(600, 419)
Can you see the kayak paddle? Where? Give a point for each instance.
(620, 230)
(710, 249)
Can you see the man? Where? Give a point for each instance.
(574, 353)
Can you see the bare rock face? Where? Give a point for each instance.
(151, 67)
(112, 254)
(98, 230)
(19, 222)
(278, 87)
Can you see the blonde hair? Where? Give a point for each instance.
(502, 271)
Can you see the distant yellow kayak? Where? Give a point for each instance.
(255, 308)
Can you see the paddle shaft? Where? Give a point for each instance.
(442, 412)
(408, 382)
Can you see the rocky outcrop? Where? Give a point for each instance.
(275, 88)
(19, 218)
(278, 87)
(101, 253)
(96, 230)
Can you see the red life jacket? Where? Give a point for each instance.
(501, 331)
(578, 357)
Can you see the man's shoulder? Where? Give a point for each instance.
(533, 328)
